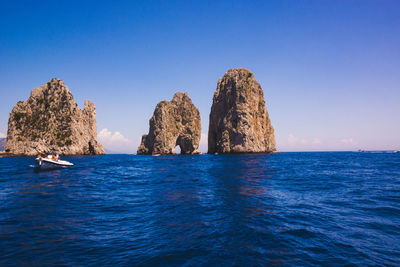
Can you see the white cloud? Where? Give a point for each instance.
(115, 142)
(107, 135)
(303, 141)
(316, 141)
(203, 146)
(2, 135)
(348, 141)
(292, 139)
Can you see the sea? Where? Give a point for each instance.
(285, 209)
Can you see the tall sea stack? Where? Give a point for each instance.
(174, 123)
(239, 120)
(50, 120)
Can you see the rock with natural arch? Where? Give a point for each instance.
(174, 123)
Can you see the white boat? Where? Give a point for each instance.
(51, 163)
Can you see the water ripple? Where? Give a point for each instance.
(284, 209)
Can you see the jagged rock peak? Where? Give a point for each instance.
(50, 120)
(239, 120)
(174, 123)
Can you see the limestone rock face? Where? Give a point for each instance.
(174, 123)
(50, 120)
(239, 121)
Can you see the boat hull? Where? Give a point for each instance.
(47, 164)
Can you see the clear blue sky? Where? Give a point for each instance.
(330, 70)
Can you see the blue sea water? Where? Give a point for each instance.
(290, 209)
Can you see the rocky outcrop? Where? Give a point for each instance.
(239, 121)
(174, 123)
(50, 120)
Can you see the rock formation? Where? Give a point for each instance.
(174, 123)
(50, 120)
(239, 121)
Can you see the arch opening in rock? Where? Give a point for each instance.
(177, 150)
(174, 123)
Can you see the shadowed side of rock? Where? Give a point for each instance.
(174, 123)
(239, 120)
(50, 120)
